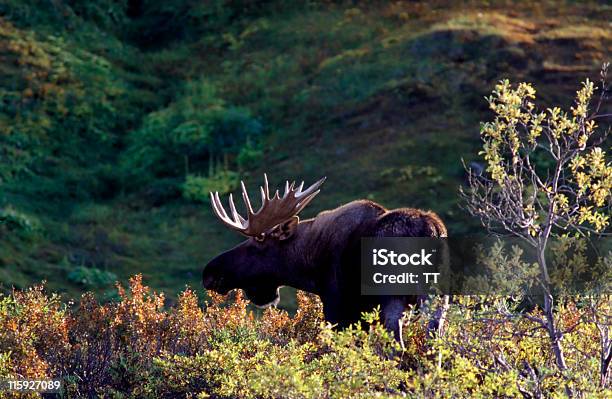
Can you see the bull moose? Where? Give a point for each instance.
(319, 255)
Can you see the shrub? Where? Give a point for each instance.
(14, 220)
(197, 188)
(196, 131)
(91, 277)
(190, 20)
(137, 347)
(250, 156)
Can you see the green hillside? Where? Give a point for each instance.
(117, 117)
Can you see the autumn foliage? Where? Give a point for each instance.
(138, 347)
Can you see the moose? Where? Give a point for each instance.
(319, 255)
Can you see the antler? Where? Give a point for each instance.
(274, 210)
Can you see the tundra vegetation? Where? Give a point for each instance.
(135, 347)
(118, 117)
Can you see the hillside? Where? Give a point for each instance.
(108, 108)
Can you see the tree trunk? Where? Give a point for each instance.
(554, 334)
(606, 357)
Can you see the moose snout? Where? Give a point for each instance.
(209, 281)
(213, 278)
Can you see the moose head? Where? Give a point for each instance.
(264, 262)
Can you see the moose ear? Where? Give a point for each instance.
(286, 229)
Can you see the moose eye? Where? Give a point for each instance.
(261, 237)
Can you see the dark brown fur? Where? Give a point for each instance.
(322, 256)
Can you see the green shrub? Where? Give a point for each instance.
(250, 156)
(197, 188)
(14, 220)
(190, 134)
(190, 20)
(91, 277)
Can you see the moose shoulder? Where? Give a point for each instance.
(319, 255)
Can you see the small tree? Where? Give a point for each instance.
(546, 174)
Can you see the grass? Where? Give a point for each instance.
(385, 100)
